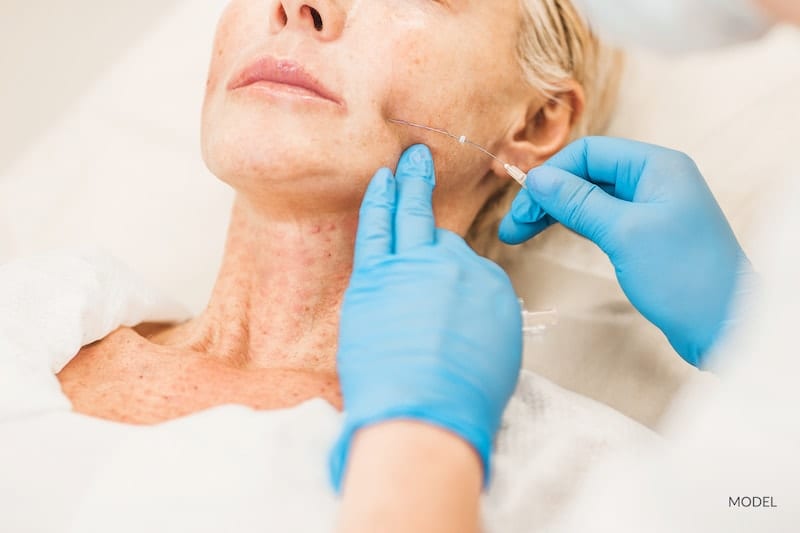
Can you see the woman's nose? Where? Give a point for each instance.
(324, 18)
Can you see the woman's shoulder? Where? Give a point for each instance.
(57, 302)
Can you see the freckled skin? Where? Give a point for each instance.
(123, 379)
(268, 336)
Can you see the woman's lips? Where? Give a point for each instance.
(283, 72)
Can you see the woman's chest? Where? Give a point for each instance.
(141, 384)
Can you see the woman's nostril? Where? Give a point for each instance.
(317, 19)
(282, 15)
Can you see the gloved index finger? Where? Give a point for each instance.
(414, 222)
(607, 162)
(375, 235)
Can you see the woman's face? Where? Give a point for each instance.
(450, 64)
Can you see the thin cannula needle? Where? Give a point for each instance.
(413, 125)
(461, 140)
(513, 171)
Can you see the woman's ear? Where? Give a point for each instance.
(545, 128)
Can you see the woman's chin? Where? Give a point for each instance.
(277, 174)
(266, 156)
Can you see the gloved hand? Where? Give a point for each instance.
(429, 330)
(650, 210)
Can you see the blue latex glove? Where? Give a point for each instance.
(429, 330)
(650, 210)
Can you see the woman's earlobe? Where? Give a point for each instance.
(546, 128)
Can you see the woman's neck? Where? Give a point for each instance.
(278, 295)
(277, 298)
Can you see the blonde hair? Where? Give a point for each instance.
(555, 46)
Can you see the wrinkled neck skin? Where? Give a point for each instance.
(277, 299)
(278, 294)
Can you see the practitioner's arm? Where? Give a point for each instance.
(408, 476)
(430, 345)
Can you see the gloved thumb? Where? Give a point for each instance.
(578, 204)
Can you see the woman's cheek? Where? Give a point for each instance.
(241, 28)
(220, 55)
(417, 91)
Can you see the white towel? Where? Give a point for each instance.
(54, 304)
(230, 467)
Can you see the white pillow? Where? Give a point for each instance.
(122, 168)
